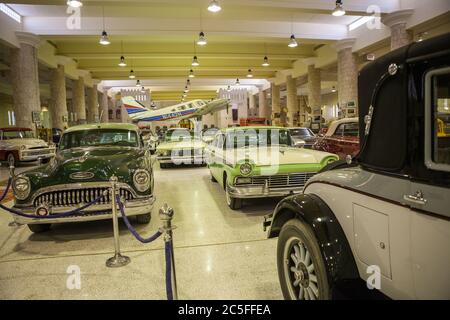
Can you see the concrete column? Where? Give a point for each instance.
(79, 104)
(262, 110)
(25, 79)
(314, 87)
(92, 115)
(58, 98)
(291, 100)
(104, 107)
(397, 22)
(275, 104)
(347, 73)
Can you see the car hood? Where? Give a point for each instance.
(101, 162)
(28, 143)
(276, 156)
(190, 144)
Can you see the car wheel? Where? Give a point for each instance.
(233, 203)
(301, 269)
(144, 218)
(11, 158)
(39, 228)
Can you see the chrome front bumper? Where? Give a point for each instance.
(181, 160)
(93, 213)
(247, 192)
(34, 155)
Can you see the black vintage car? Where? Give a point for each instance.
(384, 216)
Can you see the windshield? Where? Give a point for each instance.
(257, 137)
(99, 138)
(303, 132)
(19, 134)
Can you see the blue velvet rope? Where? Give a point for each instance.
(54, 216)
(5, 192)
(130, 227)
(168, 270)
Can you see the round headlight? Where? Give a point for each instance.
(142, 180)
(246, 168)
(21, 187)
(23, 147)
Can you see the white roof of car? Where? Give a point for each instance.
(336, 123)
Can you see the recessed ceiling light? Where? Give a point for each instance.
(339, 10)
(201, 39)
(292, 42)
(214, 6)
(74, 3)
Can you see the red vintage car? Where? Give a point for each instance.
(341, 138)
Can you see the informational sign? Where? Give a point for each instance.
(36, 116)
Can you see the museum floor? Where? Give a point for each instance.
(220, 254)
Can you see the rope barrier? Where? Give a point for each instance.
(168, 255)
(5, 192)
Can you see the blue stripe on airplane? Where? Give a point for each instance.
(169, 115)
(133, 110)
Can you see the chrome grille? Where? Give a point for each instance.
(281, 180)
(73, 197)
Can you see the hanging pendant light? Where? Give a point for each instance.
(229, 89)
(339, 10)
(266, 62)
(191, 74)
(292, 42)
(186, 89)
(132, 76)
(74, 3)
(333, 89)
(122, 62)
(138, 83)
(188, 82)
(143, 90)
(238, 83)
(195, 62)
(104, 40)
(201, 39)
(249, 74)
(214, 6)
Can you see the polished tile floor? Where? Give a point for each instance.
(220, 253)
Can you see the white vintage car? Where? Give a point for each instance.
(180, 147)
(19, 145)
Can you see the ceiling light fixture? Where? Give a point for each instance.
(339, 10)
(74, 3)
(122, 62)
(249, 74)
(191, 74)
(201, 39)
(229, 89)
(143, 90)
(138, 83)
(238, 83)
(188, 82)
(333, 89)
(186, 89)
(293, 42)
(266, 62)
(104, 40)
(195, 62)
(132, 76)
(214, 6)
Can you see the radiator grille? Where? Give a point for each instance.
(281, 180)
(78, 196)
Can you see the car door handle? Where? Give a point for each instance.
(416, 198)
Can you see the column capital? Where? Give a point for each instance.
(83, 73)
(344, 44)
(63, 60)
(28, 38)
(309, 61)
(396, 17)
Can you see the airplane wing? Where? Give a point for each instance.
(190, 109)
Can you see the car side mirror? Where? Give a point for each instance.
(299, 143)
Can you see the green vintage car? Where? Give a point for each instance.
(260, 162)
(87, 157)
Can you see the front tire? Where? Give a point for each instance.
(144, 218)
(233, 203)
(301, 269)
(39, 228)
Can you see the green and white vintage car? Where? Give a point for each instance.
(259, 162)
(181, 147)
(87, 157)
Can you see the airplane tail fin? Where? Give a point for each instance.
(132, 106)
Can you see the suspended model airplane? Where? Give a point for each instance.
(190, 109)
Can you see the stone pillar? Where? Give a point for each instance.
(347, 73)
(251, 104)
(397, 22)
(104, 107)
(58, 99)
(79, 104)
(291, 100)
(314, 87)
(262, 110)
(25, 79)
(92, 115)
(276, 104)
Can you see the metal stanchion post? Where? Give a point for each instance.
(12, 174)
(166, 214)
(118, 260)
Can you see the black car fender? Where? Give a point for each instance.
(313, 211)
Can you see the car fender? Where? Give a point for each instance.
(313, 211)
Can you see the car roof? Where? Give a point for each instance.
(226, 130)
(336, 123)
(121, 126)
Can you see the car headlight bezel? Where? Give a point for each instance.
(142, 180)
(21, 187)
(23, 147)
(245, 169)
